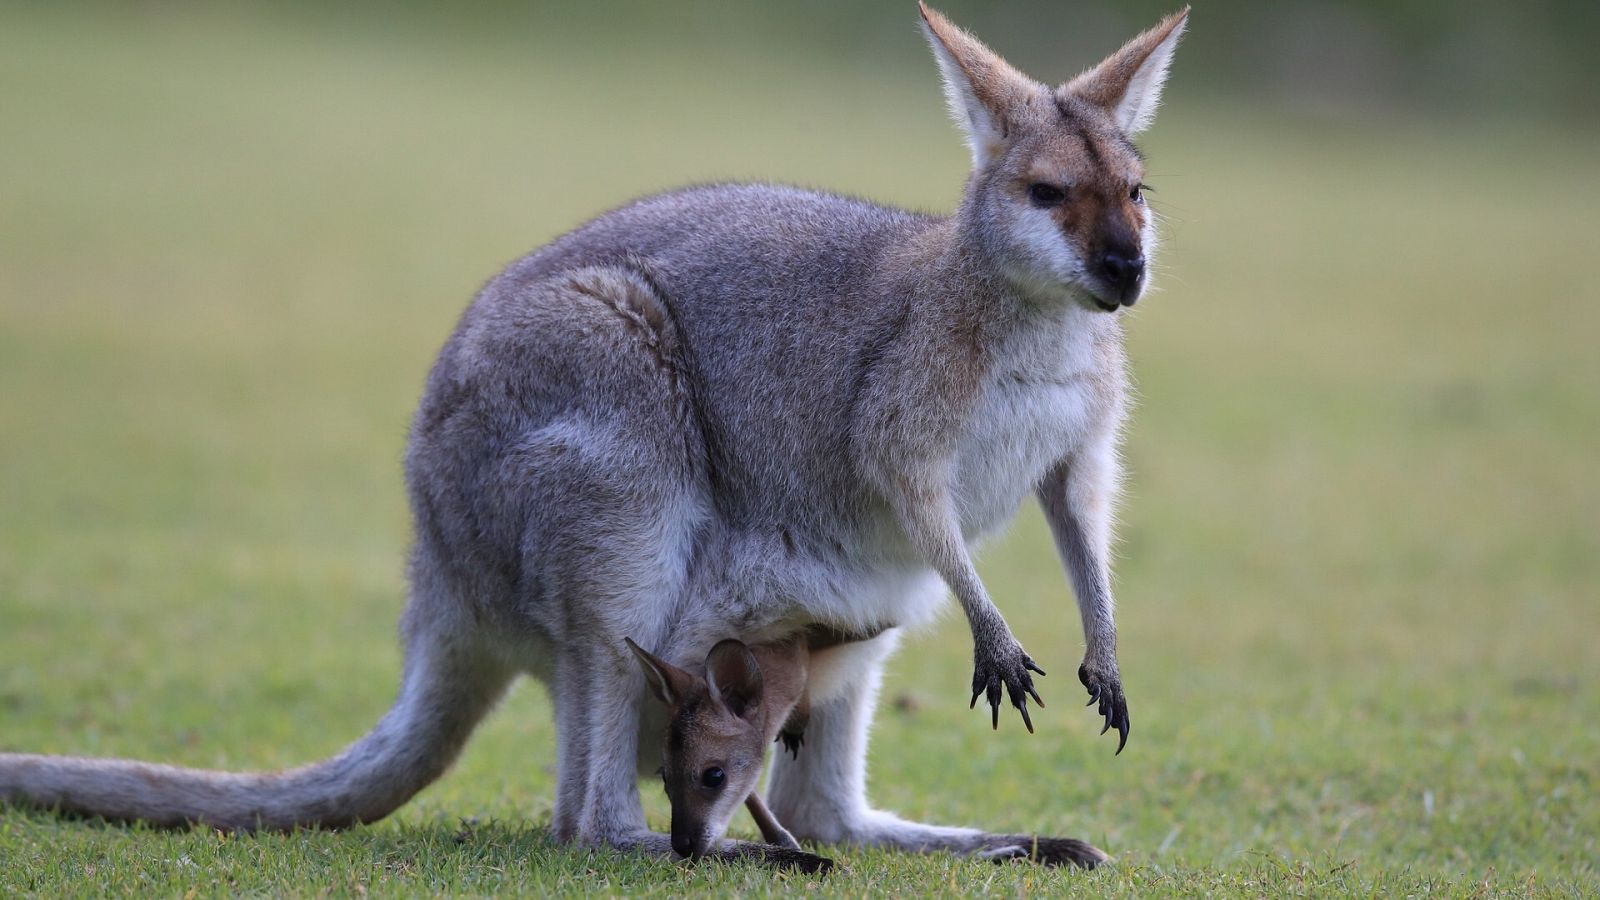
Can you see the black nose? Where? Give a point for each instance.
(1123, 271)
(683, 844)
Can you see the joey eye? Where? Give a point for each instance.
(1136, 194)
(713, 777)
(1046, 194)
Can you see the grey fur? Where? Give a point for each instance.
(735, 410)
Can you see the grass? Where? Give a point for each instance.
(1361, 544)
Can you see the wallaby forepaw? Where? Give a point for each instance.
(1009, 667)
(792, 742)
(1046, 851)
(1105, 688)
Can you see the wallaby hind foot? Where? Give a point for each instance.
(1049, 851)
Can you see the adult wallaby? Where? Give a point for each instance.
(746, 410)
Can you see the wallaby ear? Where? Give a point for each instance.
(1128, 83)
(668, 683)
(979, 86)
(734, 677)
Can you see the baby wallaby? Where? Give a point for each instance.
(721, 725)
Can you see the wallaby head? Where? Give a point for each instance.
(716, 740)
(1056, 198)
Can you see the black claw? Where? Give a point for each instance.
(994, 703)
(1020, 700)
(1112, 705)
(1004, 678)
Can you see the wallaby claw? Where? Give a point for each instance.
(792, 742)
(1106, 690)
(994, 679)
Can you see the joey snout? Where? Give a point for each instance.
(689, 841)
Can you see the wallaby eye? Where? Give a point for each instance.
(1137, 193)
(713, 777)
(1046, 194)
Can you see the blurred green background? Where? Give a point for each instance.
(1360, 575)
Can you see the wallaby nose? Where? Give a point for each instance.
(1123, 271)
(683, 845)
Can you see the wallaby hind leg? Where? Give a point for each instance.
(552, 461)
(572, 750)
(821, 794)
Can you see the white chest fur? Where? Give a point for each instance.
(1042, 397)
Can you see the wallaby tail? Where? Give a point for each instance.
(441, 701)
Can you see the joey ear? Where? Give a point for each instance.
(979, 87)
(1128, 83)
(734, 677)
(668, 683)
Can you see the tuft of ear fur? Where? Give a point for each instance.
(1128, 83)
(668, 683)
(979, 87)
(734, 677)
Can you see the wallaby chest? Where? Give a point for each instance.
(1049, 387)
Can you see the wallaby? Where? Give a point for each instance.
(722, 722)
(745, 410)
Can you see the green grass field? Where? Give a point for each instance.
(1360, 575)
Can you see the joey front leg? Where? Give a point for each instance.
(772, 831)
(929, 518)
(1076, 496)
